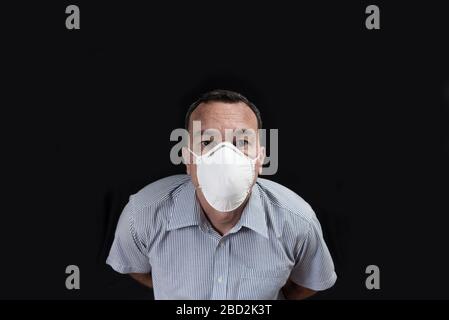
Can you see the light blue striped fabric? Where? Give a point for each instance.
(163, 230)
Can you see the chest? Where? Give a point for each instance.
(190, 264)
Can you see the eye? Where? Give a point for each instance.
(207, 143)
(241, 143)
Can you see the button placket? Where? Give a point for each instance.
(221, 264)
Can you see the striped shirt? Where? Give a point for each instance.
(163, 231)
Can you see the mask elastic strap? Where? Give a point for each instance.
(196, 157)
(256, 158)
(196, 187)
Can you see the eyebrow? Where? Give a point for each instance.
(198, 133)
(245, 131)
(236, 131)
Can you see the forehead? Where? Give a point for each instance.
(222, 115)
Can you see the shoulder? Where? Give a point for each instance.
(287, 210)
(284, 198)
(151, 206)
(158, 192)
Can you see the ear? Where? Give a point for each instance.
(261, 159)
(187, 158)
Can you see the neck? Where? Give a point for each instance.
(222, 222)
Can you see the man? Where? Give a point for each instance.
(220, 232)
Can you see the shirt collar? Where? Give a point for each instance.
(187, 211)
(253, 215)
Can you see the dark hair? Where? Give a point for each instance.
(223, 96)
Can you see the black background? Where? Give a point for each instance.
(362, 116)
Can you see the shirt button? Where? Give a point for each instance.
(220, 279)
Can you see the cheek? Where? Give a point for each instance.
(258, 167)
(193, 175)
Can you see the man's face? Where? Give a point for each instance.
(231, 122)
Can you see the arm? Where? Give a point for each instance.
(314, 269)
(143, 278)
(128, 254)
(292, 291)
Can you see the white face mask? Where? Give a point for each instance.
(225, 176)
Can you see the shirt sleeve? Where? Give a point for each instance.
(314, 268)
(128, 252)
